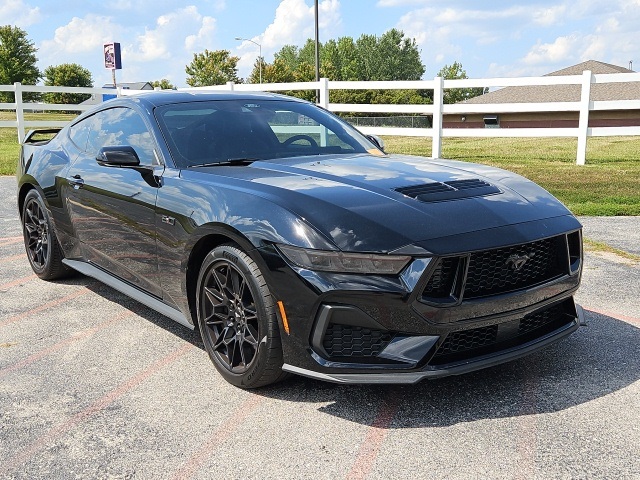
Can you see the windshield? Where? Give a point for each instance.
(222, 131)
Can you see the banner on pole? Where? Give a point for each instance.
(112, 57)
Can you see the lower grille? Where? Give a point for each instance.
(466, 344)
(353, 341)
(468, 340)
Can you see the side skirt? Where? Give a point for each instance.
(129, 290)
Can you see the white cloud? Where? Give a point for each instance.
(204, 37)
(563, 49)
(293, 24)
(550, 16)
(529, 37)
(81, 35)
(172, 30)
(18, 13)
(443, 33)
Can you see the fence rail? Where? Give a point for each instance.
(438, 85)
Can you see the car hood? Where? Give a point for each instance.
(354, 200)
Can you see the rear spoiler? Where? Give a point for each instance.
(41, 136)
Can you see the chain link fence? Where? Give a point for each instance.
(408, 121)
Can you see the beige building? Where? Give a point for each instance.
(554, 93)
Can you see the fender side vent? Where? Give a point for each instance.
(453, 190)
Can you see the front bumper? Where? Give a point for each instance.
(458, 368)
(401, 329)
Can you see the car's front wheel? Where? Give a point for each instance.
(237, 319)
(40, 241)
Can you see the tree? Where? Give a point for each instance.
(455, 95)
(398, 57)
(67, 75)
(277, 72)
(289, 56)
(212, 68)
(391, 56)
(255, 73)
(17, 60)
(164, 84)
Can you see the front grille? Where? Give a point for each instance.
(493, 271)
(497, 271)
(466, 344)
(354, 341)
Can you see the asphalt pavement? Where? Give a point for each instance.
(95, 385)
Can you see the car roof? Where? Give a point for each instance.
(167, 97)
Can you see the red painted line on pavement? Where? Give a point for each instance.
(63, 343)
(615, 315)
(368, 452)
(97, 406)
(527, 430)
(5, 239)
(7, 242)
(51, 304)
(217, 438)
(19, 281)
(13, 257)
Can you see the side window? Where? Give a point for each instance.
(79, 132)
(121, 126)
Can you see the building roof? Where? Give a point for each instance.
(131, 85)
(565, 93)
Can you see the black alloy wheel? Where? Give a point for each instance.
(43, 251)
(237, 319)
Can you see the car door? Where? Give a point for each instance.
(113, 208)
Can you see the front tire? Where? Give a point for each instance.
(237, 319)
(40, 241)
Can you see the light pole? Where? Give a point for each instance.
(317, 50)
(259, 54)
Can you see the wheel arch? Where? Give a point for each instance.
(24, 189)
(210, 237)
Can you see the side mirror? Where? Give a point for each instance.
(118, 156)
(377, 141)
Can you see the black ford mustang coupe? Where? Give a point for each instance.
(295, 244)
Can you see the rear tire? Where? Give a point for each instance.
(40, 241)
(237, 319)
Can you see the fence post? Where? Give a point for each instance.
(17, 88)
(583, 122)
(438, 99)
(230, 85)
(323, 85)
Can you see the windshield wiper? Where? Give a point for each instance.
(228, 161)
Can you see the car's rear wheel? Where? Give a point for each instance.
(40, 241)
(237, 319)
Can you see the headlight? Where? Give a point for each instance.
(334, 261)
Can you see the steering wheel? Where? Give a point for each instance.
(295, 138)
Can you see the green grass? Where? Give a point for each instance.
(609, 184)
(9, 147)
(595, 246)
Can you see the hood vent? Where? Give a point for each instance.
(453, 190)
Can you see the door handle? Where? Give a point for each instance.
(76, 181)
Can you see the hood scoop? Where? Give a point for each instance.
(453, 190)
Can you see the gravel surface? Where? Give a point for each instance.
(95, 385)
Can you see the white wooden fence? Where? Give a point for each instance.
(583, 107)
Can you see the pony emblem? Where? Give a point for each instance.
(516, 262)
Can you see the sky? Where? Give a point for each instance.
(158, 38)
